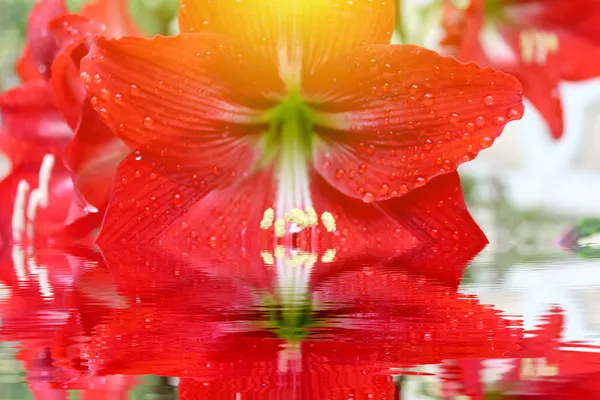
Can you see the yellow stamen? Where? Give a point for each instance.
(297, 216)
(329, 256)
(311, 214)
(328, 221)
(280, 227)
(310, 260)
(267, 257)
(268, 218)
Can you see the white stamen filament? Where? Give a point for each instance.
(289, 358)
(18, 259)
(18, 217)
(293, 277)
(24, 219)
(44, 179)
(42, 273)
(35, 200)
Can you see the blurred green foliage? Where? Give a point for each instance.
(152, 16)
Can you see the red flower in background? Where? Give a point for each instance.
(51, 302)
(39, 118)
(291, 109)
(546, 367)
(541, 42)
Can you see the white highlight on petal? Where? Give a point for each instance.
(18, 217)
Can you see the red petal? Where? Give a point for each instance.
(428, 232)
(29, 117)
(398, 116)
(189, 101)
(431, 223)
(540, 86)
(339, 382)
(93, 156)
(26, 68)
(114, 14)
(71, 32)
(148, 206)
(463, 29)
(314, 31)
(41, 46)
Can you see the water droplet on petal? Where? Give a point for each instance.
(178, 200)
(454, 118)
(428, 99)
(384, 189)
(149, 123)
(134, 90)
(420, 181)
(368, 197)
(340, 173)
(104, 113)
(499, 121)
(119, 99)
(488, 100)
(514, 113)
(486, 142)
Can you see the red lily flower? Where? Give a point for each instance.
(33, 127)
(541, 42)
(270, 106)
(334, 336)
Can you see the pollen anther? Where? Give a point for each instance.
(297, 216)
(280, 227)
(268, 218)
(328, 221)
(267, 257)
(311, 214)
(329, 256)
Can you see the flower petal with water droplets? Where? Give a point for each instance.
(189, 102)
(314, 30)
(394, 117)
